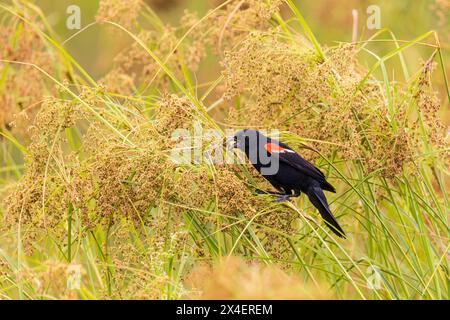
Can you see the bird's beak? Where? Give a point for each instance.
(230, 143)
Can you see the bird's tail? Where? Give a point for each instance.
(317, 198)
(325, 185)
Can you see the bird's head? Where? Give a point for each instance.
(245, 140)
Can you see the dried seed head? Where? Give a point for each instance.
(124, 13)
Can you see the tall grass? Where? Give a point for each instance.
(398, 226)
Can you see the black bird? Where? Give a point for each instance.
(287, 172)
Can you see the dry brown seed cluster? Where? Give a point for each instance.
(174, 113)
(136, 66)
(40, 199)
(118, 81)
(428, 105)
(237, 19)
(24, 85)
(124, 13)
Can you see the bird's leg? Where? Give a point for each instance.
(286, 196)
(282, 196)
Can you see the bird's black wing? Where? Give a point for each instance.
(295, 160)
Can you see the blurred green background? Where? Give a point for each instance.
(330, 20)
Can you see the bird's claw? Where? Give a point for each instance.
(283, 198)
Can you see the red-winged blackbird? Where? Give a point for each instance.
(287, 171)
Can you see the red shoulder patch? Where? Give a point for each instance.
(273, 147)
